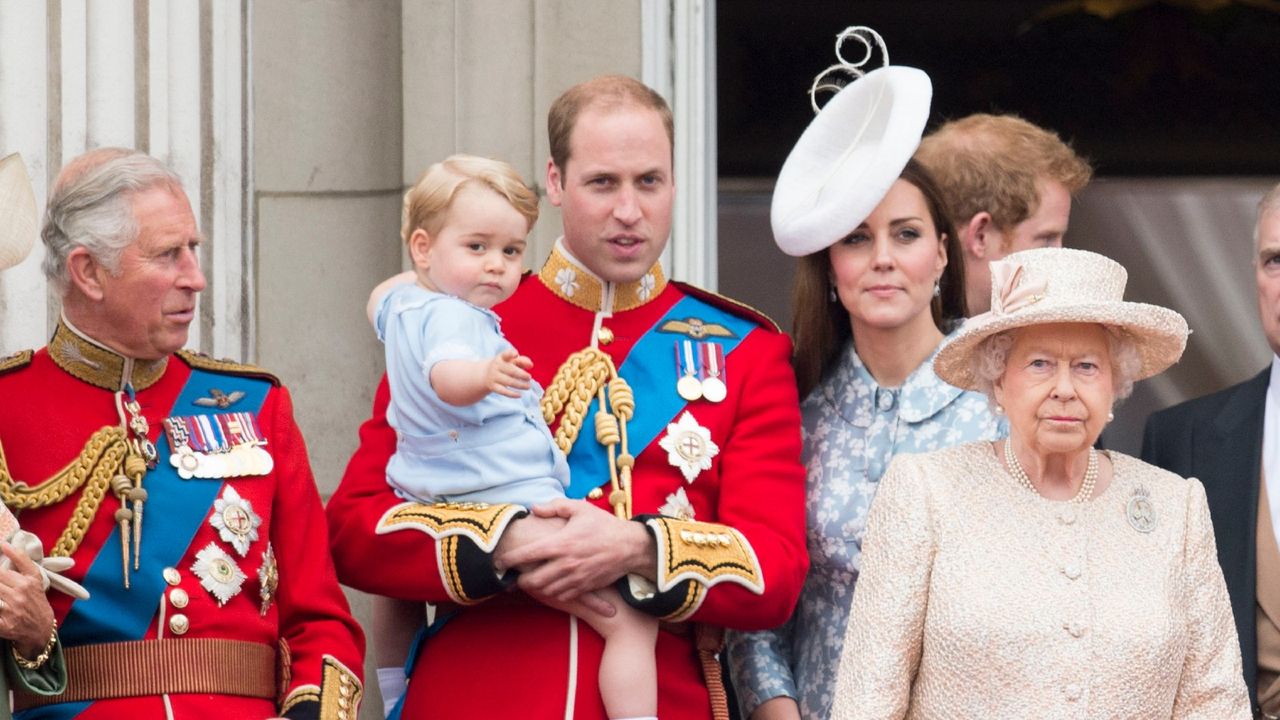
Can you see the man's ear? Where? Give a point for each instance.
(85, 273)
(419, 247)
(976, 237)
(555, 182)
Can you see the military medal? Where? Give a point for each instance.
(1140, 512)
(268, 579)
(688, 386)
(235, 521)
(713, 387)
(689, 446)
(218, 446)
(218, 573)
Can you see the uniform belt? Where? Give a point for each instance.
(212, 666)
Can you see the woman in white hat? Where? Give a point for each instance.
(879, 283)
(1037, 576)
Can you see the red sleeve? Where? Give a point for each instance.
(746, 553)
(405, 563)
(762, 489)
(315, 623)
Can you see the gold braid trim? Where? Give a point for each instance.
(571, 390)
(585, 374)
(100, 460)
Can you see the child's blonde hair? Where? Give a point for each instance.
(427, 202)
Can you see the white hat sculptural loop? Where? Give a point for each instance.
(18, 219)
(852, 152)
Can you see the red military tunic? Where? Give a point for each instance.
(289, 633)
(505, 656)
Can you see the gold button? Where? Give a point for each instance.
(179, 624)
(604, 335)
(172, 576)
(178, 598)
(595, 494)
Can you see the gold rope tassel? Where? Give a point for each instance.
(588, 374)
(136, 468)
(120, 485)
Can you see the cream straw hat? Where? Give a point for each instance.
(1062, 285)
(17, 212)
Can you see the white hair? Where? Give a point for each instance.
(92, 208)
(1270, 203)
(990, 357)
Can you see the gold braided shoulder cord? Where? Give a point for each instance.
(99, 461)
(585, 374)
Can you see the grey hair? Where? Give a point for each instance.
(991, 355)
(91, 207)
(1269, 203)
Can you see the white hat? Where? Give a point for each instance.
(848, 157)
(17, 212)
(1062, 285)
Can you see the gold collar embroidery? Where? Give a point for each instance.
(88, 361)
(575, 284)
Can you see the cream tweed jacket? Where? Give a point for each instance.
(980, 599)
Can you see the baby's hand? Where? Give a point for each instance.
(508, 373)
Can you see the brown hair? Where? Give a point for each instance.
(821, 328)
(992, 163)
(428, 201)
(609, 92)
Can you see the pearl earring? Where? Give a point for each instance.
(999, 409)
(1111, 416)
(831, 293)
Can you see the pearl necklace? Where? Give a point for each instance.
(1086, 487)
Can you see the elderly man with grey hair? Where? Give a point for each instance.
(1230, 440)
(179, 484)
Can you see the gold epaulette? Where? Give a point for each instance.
(729, 305)
(706, 553)
(16, 361)
(201, 361)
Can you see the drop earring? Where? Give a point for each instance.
(937, 288)
(832, 296)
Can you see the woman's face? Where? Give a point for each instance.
(884, 271)
(1057, 388)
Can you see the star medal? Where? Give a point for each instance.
(688, 386)
(268, 579)
(235, 520)
(689, 446)
(713, 387)
(218, 573)
(1140, 512)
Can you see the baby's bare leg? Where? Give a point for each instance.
(628, 673)
(393, 627)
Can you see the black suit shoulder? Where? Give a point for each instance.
(1170, 434)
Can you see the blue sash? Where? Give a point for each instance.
(174, 510)
(651, 372)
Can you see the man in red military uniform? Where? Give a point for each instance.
(677, 409)
(180, 485)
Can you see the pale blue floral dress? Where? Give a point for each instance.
(852, 428)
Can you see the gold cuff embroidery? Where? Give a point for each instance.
(300, 694)
(482, 523)
(706, 553)
(340, 691)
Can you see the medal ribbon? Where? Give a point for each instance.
(647, 369)
(175, 509)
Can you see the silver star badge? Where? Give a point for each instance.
(235, 520)
(218, 573)
(689, 446)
